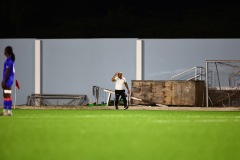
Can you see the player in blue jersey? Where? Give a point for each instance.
(7, 81)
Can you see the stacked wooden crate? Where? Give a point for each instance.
(175, 93)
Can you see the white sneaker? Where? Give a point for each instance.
(4, 113)
(9, 113)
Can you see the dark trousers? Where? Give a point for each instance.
(121, 93)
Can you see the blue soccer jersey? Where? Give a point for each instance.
(9, 64)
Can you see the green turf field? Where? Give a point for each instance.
(113, 135)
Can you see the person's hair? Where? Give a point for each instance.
(9, 51)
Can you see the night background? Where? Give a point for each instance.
(119, 19)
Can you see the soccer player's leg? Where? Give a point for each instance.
(8, 101)
(4, 113)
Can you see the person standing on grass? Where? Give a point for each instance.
(7, 82)
(120, 82)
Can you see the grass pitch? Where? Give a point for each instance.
(113, 135)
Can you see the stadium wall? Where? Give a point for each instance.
(163, 58)
(73, 66)
(24, 65)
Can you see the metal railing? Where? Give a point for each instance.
(195, 73)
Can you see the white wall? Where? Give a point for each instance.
(24, 65)
(163, 58)
(73, 66)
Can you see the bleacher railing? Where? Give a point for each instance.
(194, 73)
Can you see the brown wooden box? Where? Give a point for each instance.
(175, 93)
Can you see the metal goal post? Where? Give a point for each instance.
(222, 83)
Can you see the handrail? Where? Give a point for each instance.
(194, 77)
(197, 73)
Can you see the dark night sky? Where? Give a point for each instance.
(119, 19)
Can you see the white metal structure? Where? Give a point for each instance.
(194, 73)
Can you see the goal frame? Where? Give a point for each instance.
(206, 78)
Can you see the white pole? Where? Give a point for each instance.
(139, 60)
(200, 73)
(206, 72)
(37, 68)
(15, 97)
(195, 73)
